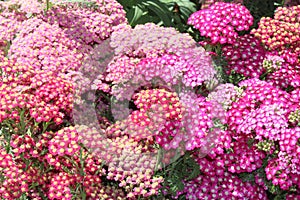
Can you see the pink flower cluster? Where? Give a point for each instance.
(45, 47)
(245, 56)
(266, 116)
(282, 32)
(221, 21)
(87, 24)
(44, 95)
(216, 183)
(283, 69)
(148, 39)
(156, 99)
(141, 60)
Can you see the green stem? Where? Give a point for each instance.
(47, 5)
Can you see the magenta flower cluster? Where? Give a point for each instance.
(221, 21)
(245, 56)
(92, 108)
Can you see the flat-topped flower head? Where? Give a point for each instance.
(282, 32)
(245, 56)
(45, 47)
(88, 22)
(147, 39)
(221, 21)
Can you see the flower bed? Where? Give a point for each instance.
(92, 108)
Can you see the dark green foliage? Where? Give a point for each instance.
(169, 13)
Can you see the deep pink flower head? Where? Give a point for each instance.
(215, 182)
(221, 21)
(262, 110)
(245, 56)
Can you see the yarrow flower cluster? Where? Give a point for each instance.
(92, 108)
(221, 21)
(266, 121)
(207, 3)
(283, 70)
(141, 60)
(272, 62)
(245, 56)
(282, 32)
(224, 94)
(45, 95)
(45, 47)
(9, 25)
(84, 23)
(133, 42)
(216, 183)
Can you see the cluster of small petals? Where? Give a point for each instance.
(294, 117)
(197, 120)
(272, 62)
(268, 122)
(95, 63)
(216, 183)
(96, 190)
(100, 84)
(130, 163)
(133, 166)
(65, 142)
(282, 32)
(121, 69)
(59, 187)
(168, 67)
(148, 38)
(243, 158)
(220, 21)
(199, 67)
(51, 87)
(290, 57)
(224, 94)
(45, 47)
(288, 75)
(292, 196)
(9, 25)
(288, 140)
(92, 185)
(22, 145)
(135, 170)
(259, 96)
(221, 142)
(157, 109)
(283, 69)
(283, 170)
(12, 100)
(40, 92)
(28, 6)
(192, 67)
(87, 24)
(295, 96)
(14, 183)
(260, 181)
(207, 3)
(245, 56)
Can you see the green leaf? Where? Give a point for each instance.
(134, 14)
(161, 10)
